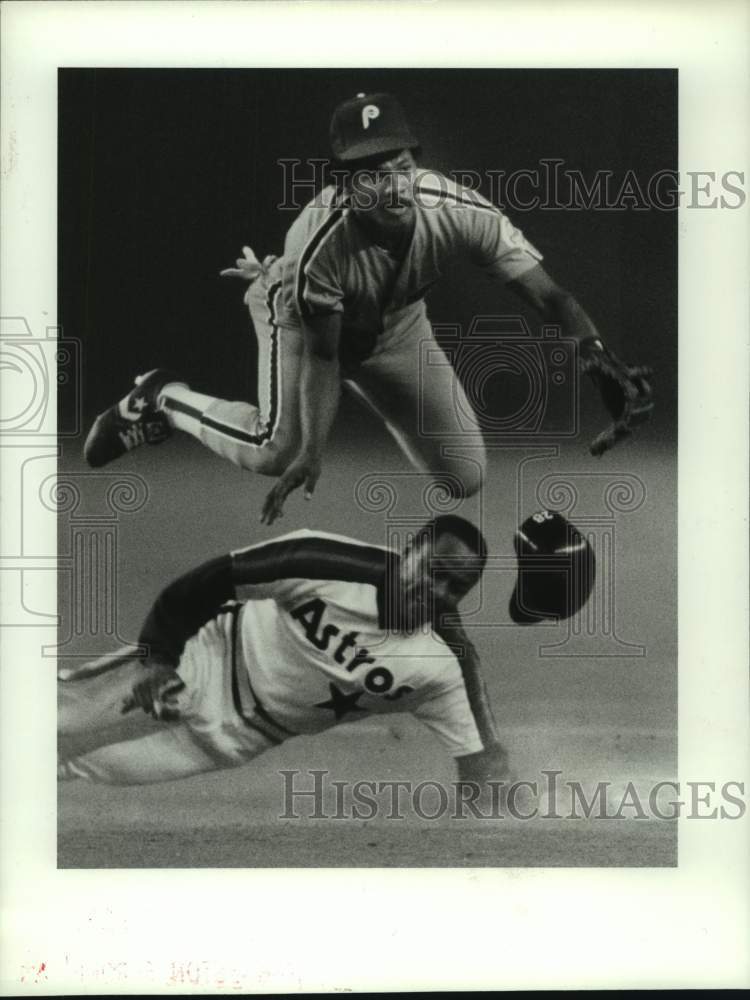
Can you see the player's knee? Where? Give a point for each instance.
(472, 482)
(463, 477)
(272, 459)
(476, 474)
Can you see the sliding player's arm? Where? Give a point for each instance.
(461, 716)
(270, 569)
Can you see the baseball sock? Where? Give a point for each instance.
(233, 430)
(184, 407)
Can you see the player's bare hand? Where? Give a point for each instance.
(248, 266)
(156, 692)
(304, 471)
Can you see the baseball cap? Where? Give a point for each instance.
(369, 124)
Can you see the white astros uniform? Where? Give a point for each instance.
(292, 654)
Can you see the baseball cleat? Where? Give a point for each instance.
(134, 421)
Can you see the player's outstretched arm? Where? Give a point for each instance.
(554, 304)
(182, 608)
(625, 389)
(450, 628)
(320, 388)
(490, 764)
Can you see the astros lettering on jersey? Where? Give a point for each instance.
(311, 645)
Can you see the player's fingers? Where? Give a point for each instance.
(270, 516)
(640, 371)
(640, 413)
(128, 704)
(310, 483)
(609, 438)
(231, 272)
(171, 688)
(145, 695)
(271, 507)
(249, 255)
(137, 698)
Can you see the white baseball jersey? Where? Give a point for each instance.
(311, 642)
(330, 263)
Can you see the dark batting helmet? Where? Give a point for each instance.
(556, 569)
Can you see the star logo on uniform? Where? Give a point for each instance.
(341, 703)
(139, 403)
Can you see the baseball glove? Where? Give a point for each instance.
(625, 391)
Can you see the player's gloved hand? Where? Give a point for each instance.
(303, 471)
(248, 266)
(156, 691)
(625, 390)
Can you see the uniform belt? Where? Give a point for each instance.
(246, 703)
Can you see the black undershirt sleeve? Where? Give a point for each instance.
(185, 606)
(258, 572)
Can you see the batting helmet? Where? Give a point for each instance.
(369, 124)
(556, 569)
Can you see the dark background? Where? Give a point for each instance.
(165, 174)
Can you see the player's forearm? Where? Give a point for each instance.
(319, 401)
(554, 303)
(575, 323)
(476, 691)
(490, 764)
(183, 607)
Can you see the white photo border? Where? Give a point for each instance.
(316, 930)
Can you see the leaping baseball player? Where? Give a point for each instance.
(346, 304)
(288, 637)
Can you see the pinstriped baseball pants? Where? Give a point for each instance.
(407, 382)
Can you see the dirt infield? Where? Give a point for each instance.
(235, 819)
(598, 717)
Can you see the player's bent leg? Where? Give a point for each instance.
(176, 751)
(87, 702)
(411, 385)
(210, 734)
(261, 438)
(166, 755)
